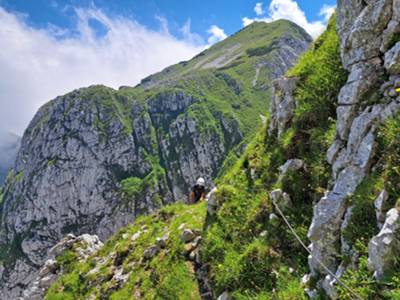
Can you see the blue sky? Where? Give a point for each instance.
(226, 14)
(52, 47)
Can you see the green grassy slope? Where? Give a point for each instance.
(249, 253)
(246, 253)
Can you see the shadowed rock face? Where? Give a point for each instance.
(81, 148)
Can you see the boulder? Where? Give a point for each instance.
(290, 165)
(212, 202)
(162, 241)
(150, 252)
(135, 236)
(187, 236)
(384, 248)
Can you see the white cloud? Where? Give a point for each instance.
(258, 9)
(290, 10)
(327, 11)
(247, 21)
(164, 29)
(188, 35)
(216, 34)
(37, 65)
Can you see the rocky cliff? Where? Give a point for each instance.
(93, 160)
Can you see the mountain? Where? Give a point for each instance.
(93, 160)
(9, 145)
(323, 170)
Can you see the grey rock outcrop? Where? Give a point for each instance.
(383, 248)
(381, 207)
(187, 236)
(290, 165)
(283, 104)
(392, 59)
(150, 252)
(364, 30)
(212, 202)
(83, 246)
(280, 198)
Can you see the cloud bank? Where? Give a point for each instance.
(290, 10)
(39, 64)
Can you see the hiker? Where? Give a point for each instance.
(198, 192)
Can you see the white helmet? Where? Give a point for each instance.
(201, 181)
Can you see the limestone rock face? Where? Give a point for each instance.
(186, 152)
(283, 104)
(384, 247)
(365, 27)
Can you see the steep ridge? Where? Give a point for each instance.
(334, 175)
(93, 160)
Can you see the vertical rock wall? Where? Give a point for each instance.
(370, 52)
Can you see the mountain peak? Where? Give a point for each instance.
(253, 43)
